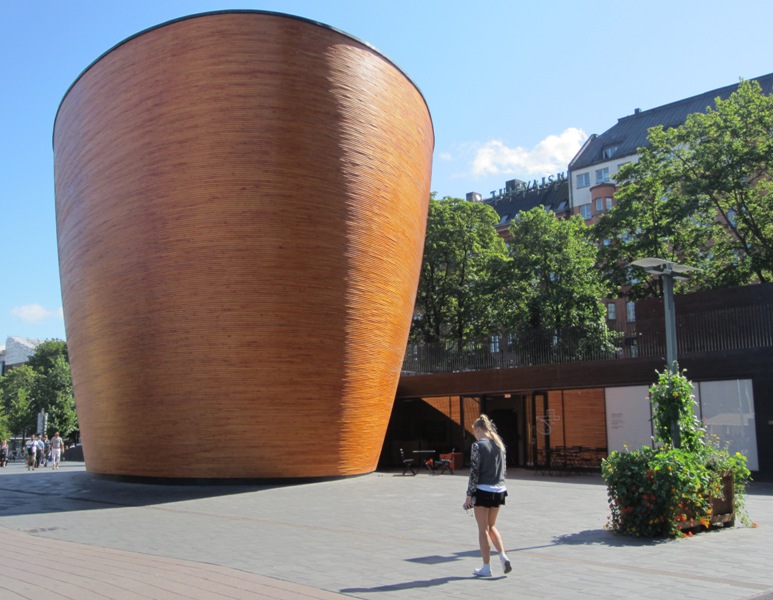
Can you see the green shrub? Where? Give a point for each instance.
(658, 492)
(654, 491)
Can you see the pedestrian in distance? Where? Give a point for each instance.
(486, 492)
(40, 447)
(57, 447)
(30, 452)
(46, 450)
(4, 453)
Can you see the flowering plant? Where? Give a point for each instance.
(662, 491)
(673, 403)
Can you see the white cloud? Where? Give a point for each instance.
(550, 155)
(446, 156)
(34, 313)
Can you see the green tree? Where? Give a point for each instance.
(16, 391)
(699, 195)
(52, 391)
(651, 219)
(54, 395)
(47, 353)
(555, 287)
(725, 156)
(462, 258)
(5, 429)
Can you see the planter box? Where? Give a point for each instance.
(722, 512)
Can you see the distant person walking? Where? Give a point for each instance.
(4, 453)
(486, 491)
(39, 452)
(46, 450)
(57, 447)
(30, 452)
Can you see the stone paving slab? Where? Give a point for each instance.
(379, 536)
(35, 567)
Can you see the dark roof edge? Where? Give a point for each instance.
(591, 138)
(714, 94)
(242, 11)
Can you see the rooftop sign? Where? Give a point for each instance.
(516, 186)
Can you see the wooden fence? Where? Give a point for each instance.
(739, 328)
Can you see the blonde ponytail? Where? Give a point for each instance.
(490, 430)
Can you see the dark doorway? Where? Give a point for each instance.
(507, 424)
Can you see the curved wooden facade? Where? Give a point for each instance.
(241, 204)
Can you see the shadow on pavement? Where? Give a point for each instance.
(438, 559)
(604, 538)
(408, 585)
(72, 488)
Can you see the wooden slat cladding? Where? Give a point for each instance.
(585, 418)
(241, 205)
(556, 418)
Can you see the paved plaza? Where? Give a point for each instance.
(69, 534)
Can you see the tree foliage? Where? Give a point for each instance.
(698, 195)
(553, 268)
(555, 285)
(462, 254)
(16, 390)
(47, 353)
(5, 430)
(53, 394)
(44, 383)
(473, 285)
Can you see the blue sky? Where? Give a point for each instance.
(514, 88)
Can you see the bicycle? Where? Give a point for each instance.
(13, 455)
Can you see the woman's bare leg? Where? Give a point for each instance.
(482, 519)
(493, 532)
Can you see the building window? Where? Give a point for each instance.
(494, 345)
(583, 180)
(609, 152)
(599, 205)
(611, 311)
(602, 175)
(585, 211)
(608, 202)
(630, 312)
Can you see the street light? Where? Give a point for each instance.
(668, 271)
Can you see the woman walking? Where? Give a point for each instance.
(486, 491)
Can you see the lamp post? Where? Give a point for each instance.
(668, 271)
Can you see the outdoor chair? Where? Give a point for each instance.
(407, 463)
(441, 465)
(541, 464)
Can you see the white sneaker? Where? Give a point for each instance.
(506, 566)
(484, 571)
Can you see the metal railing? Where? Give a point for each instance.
(740, 328)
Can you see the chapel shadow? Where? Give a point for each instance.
(72, 489)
